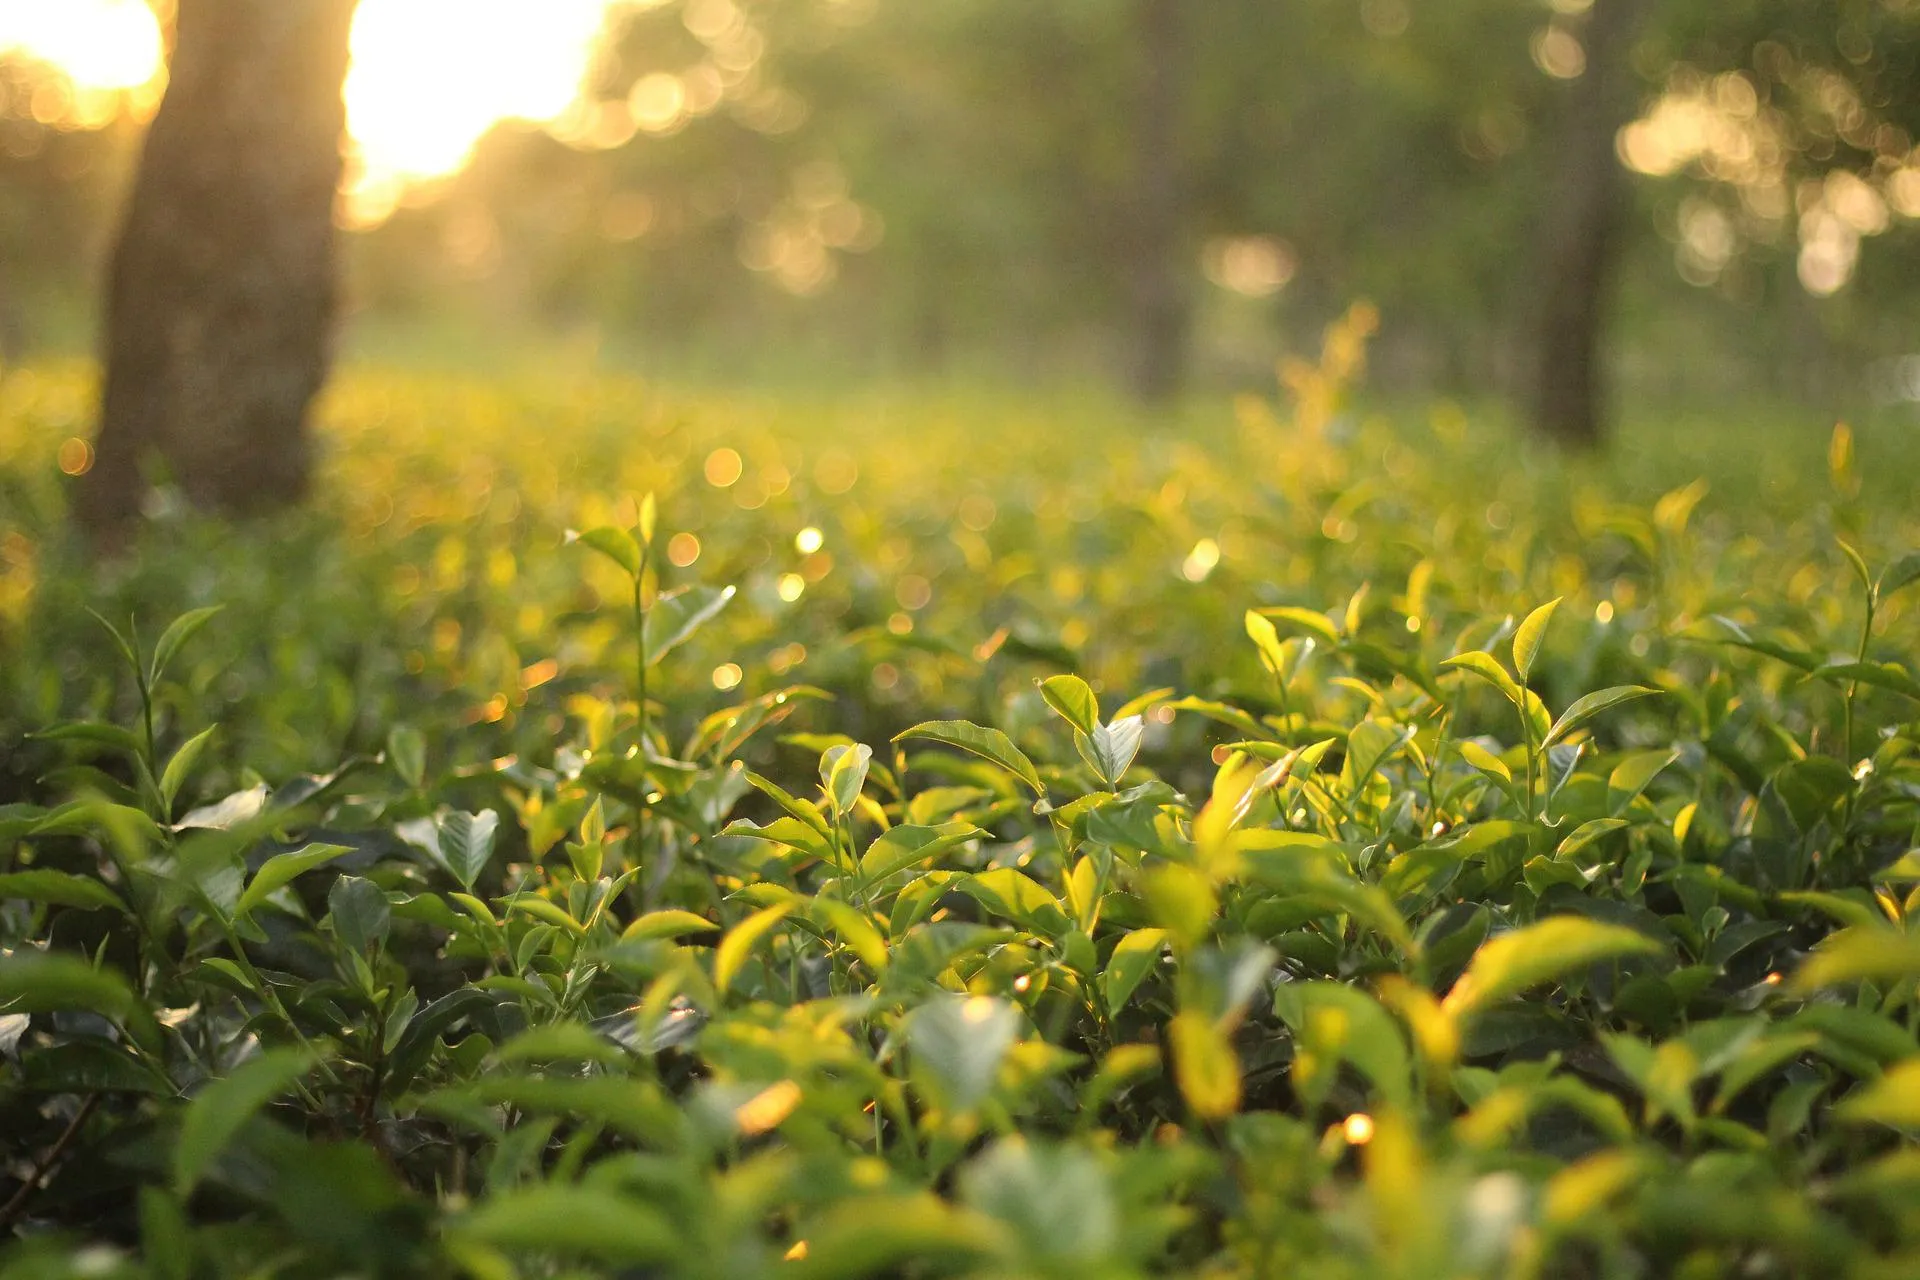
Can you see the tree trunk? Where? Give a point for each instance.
(1162, 310)
(1580, 234)
(221, 293)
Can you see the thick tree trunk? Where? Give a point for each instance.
(1162, 309)
(1580, 234)
(221, 294)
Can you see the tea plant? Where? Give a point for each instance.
(1269, 858)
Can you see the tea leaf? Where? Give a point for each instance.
(1590, 705)
(576, 1221)
(1488, 668)
(59, 888)
(739, 943)
(407, 753)
(843, 772)
(958, 1044)
(905, 846)
(1550, 949)
(1902, 573)
(614, 543)
(1110, 749)
(989, 744)
(223, 1108)
(180, 767)
(360, 913)
(175, 637)
(1893, 1099)
(677, 615)
(281, 869)
(1858, 954)
(1133, 958)
(466, 843)
(1072, 700)
(671, 923)
(1526, 640)
(1204, 1066)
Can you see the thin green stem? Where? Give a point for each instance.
(640, 636)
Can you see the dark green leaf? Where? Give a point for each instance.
(360, 913)
(59, 888)
(281, 869)
(181, 630)
(221, 1109)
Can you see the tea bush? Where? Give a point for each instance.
(931, 839)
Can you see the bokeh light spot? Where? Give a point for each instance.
(683, 549)
(75, 456)
(723, 468)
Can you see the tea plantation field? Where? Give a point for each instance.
(616, 832)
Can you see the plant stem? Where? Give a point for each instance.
(18, 1203)
(640, 637)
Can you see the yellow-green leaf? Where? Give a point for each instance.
(740, 941)
(1526, 640)
(1541, 952)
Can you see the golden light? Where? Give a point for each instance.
(1254, 266)
(683, 549)
(1201, 561)
(428, 77)
(723, 468)
(809, 540)
(75, 456)
(1357, 1129)
(976, 1010)
(766, 1109)
(98, 44)
(727, 675)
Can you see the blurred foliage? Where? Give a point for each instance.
(1315, 845)
(861, 186)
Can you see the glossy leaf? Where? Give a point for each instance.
(614, 543)
(280, 870)
(901, 847)
(1526, 640)
(739, 943)
(1073, 700)
(1588, 706)
(1133, 958)
(1542, 952)
(671, 923)
(988, 744)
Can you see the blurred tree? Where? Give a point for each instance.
(1580, 223)
(1158, 253)
(221, 291)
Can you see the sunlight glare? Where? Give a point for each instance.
(430, 77)
(98, 44)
